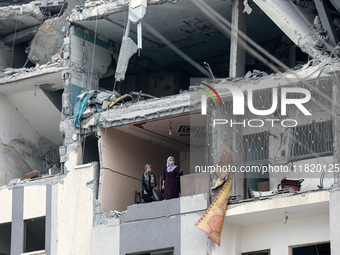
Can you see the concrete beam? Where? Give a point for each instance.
(295, 22)
(326, 20)
(336, 4)
(237, 53)
(21, 36)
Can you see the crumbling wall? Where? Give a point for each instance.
(21, 147)
(88, 57)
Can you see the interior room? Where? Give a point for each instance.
(126, 150)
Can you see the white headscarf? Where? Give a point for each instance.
(170, 168)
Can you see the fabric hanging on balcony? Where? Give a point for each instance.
(211, 222)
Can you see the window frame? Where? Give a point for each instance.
(313, 124)
(291, 247)
(256, 252)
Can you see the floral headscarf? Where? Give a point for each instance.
(149, 177)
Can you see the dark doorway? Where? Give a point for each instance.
(90, 149)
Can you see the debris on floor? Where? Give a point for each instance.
(91, 102)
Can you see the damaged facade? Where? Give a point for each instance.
(91, 91)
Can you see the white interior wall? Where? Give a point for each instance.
(275, 236)
(14, 127)
(42, 114)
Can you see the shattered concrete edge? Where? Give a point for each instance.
(25, 9)
(93, 12)
(31, 74)
(47, 3)
(277, 197)
(100, 9)
(59, 178)
(146, 110)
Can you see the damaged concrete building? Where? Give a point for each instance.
(91, 91)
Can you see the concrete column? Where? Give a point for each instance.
(17, 235)
(336, 126)
(51, 220)
(334, 222)
(237, 54)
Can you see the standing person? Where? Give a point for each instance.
(148, 183)
(171, 179)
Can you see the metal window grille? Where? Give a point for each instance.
(315, 139)
(256, 147)
(312, 137)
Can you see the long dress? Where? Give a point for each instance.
(171, 184)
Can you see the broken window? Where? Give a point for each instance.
(312, 249)
(5, 239)
(34, 234)
(313, 140)
(263, 252)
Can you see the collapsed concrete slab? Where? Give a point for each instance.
(19, 17)
(49, 40)
(127, 50)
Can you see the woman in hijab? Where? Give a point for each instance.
(171, 179)
(148, 183)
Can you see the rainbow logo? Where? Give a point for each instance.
(204, 98)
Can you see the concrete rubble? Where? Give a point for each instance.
(20, 11)
(48, 41)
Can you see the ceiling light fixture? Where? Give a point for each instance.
(170, 129)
